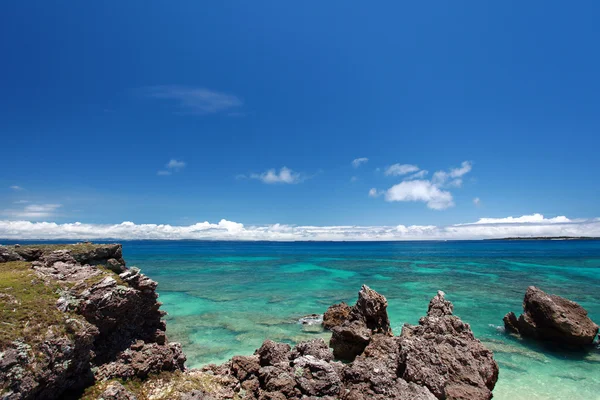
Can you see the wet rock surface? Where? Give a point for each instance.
(552, 318)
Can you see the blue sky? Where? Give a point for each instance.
(174, 113)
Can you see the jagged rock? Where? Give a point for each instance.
(272, 353)
(367, 317)
(112, 325)
(336, 315)
(511, 323)
(141, 359)
(316, 377)
(371, 307)
(244, 367)
(553, 318)
(439, 306)
(349, 340)
(7, 255)
(316, 348)
(442, 354)
(116, 391)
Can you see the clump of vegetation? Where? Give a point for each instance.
(162, 386)
(27, 305)
(76, 248)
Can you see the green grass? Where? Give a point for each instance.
(27, 305)
(77, 248)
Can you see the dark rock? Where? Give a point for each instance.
(442, 354)
(371, 307)
(366, 318)
(141, 359)
(271, 353)
(245, 367)
(439, 306)
(316, 348)
(116, 391)
(7, 255)
(316, 377)
(349, 340)
(553, 318)
(511, 323)
(336, 315)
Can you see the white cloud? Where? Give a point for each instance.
(414, 188)
(285, 175)
(418, 175)
(374, 193)
(529, 225)
(33, 211)
(358, 161)
(172, 166)
(400, 169)
(533, 218)
(175, 164)
(194, 100)
(16, 188)
(419, 190)
(454, 176)
(477, 201)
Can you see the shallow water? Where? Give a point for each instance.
(225, 298)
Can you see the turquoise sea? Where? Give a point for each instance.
(225, 298)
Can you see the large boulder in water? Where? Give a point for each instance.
(554, 318)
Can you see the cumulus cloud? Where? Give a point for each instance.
(358, 161)
(195, 100)
(432, 192)
(400, 169)
(285, 175)
(419, 190)
(33, 211)
(477, 201)
(172, 166)
(524, 226)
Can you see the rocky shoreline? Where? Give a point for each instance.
(78, 323)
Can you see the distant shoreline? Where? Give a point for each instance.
(550, 238)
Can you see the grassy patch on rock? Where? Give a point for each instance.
(76, 248)
(163, 386)
(27, 305)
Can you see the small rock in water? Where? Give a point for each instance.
(311, 319)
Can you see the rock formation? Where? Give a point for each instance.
(95, 324)
(552, 318)
(353, 327)
(105, 332)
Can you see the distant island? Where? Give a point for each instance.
(550, 238)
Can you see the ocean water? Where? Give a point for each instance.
(225, 298)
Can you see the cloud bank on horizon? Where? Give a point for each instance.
(485, 228)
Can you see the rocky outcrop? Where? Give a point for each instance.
(108, 335)
(353, 327)
(110, 327)
(437, 359)
(442, 354)
(552, 318)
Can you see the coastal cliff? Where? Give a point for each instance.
(77, 323)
